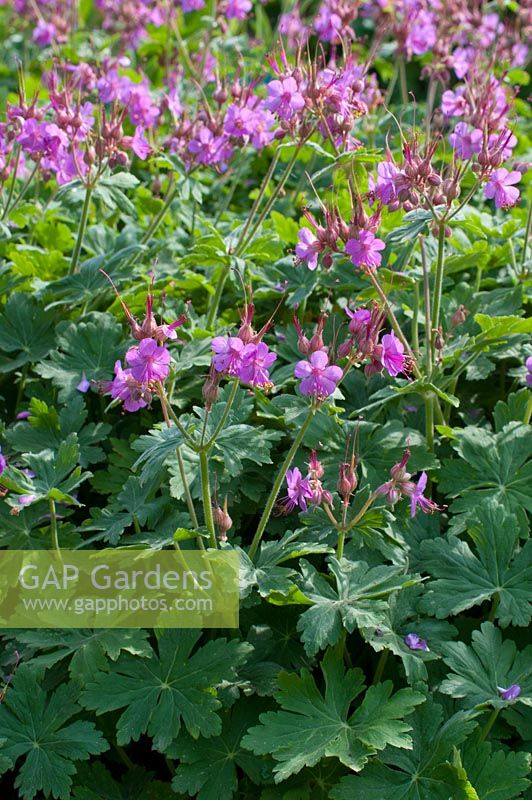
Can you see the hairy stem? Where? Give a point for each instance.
(489, 725)
(278, 481)
(438, 284)
(381, 663)
(214, 304)
(186, 489)
(206, 496)
(81, 230)
(53, 526)
(223, 418)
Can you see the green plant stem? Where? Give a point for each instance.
(25, 188)
(278, 481)
(271, 200)
(206, 495)
(53, 526)
(186, 489)
(402, 81)
(340, 545)
(527, 237)
(168, 413)
(158, 218)
(223, 418)
(381, 663)
(81, 230)
(212, 312)
(262, 190)
(429, 420)
(415, 321)
(494, 606)
(489, 725)
(12, 184)
(438, 284)
(426, 298)
(528, 411)
(371, 499)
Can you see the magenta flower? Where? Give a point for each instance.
(84, 385)
(385, 187)
(256, 361)
(454, 104)
(23, 415)
(148, 361)
(44, 33)
(466, 141)
(238, 9)
(299, 490)
(360, 320)
(3, 462)
(284, 98)
(140, 145)
(238, 121)
(228, 354)
(417, 498)
(415, 642)
(26, 499)
(308, 248)
(392, 355)
(528, 365)
(511, 693)
(134, 394)
(364, 250)
(319, 379)
(421, 34)
(500, 186)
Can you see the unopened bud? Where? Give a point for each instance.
(459, 316)
(345, 348)
(222, 520)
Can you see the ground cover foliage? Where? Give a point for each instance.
(264, 281)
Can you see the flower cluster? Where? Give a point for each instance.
(148, 361)
(400, 485)
(303, 491)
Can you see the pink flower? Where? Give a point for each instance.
(135, 394)
(319, 379)
(256, 361)
(44, 33)
(359, 320)
(421, 34)
(466, 141)
(3, 462)
(500, 186)
(238, 9)
(284, 98)
(299, 490)
(415, 642)
(454, 104)
(385, 188)
(228, 354)
(392, 356)
(528, 365)
(364, 250)
(140, 145)
(84, 385)
(308, 248)
(417, 498)
(148, 361)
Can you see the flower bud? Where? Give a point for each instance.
(459, 316)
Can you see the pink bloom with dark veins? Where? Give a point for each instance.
(385, 187)
(308, 248)
(299, 490)
(228, 354)
(148, 361)
(284, 98)
(417, 498)
(318, 378)
(364, 250)
(134, 394)
(392, 355)
(501, 188)
(256, 361)
(466, 141)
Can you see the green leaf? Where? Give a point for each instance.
(45, 429)
(171, 689)
(88, 650)
(33, 724)
(24, 329)
(464, 579)
(85, 348)
(414, 774)
(495, 775)
(489, 663)
(56, 474)
(502, 327)
(312, 726)
(238, 443)
(94, 782)
(491, 465)
(208, 767)
(359, 597)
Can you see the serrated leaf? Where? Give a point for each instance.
(170, 690)
(312, 726)
(359, 597)
(24, 329)
(33, 724)
(414, 774)
(464, 579)
(489, 663)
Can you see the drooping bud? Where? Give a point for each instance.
(211, 388)
(222, 520)
(459, 316)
